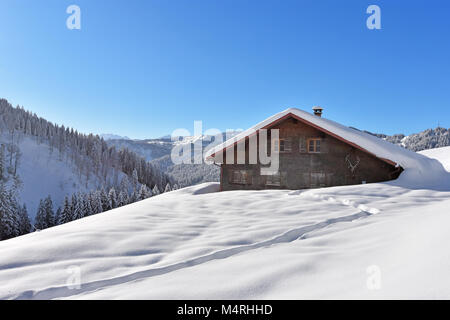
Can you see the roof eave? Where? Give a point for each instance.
(290, 114)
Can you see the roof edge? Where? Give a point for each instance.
(291, 114)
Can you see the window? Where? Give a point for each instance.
(276, 179)
(273, 179)
(314, 145)
(282, 145)
(285, 145)
(241, 177)
(318, 179)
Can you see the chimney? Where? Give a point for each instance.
(317, 111)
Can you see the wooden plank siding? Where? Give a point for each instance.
(300, 169)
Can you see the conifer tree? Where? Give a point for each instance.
(106, 205)
(144, 192)
(112, 198)
(24, 221)
(96, 202)
(124, 184)
(73, 204)
(155, 190)
(133, 197)
(3, 176)
(9, 221)
(77, 207)
(87, 209)
(14, 211)
(45, 216)
(49, 214)
(66, 213)
(58, 216)
(40, 223)
(135, 178)
(122, 200)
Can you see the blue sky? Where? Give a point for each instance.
(145, 68)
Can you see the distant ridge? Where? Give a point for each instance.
(111, 136)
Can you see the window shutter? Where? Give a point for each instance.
(287, 145)
(302, 145)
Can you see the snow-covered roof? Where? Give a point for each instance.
(382, 149)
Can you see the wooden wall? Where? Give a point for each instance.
(300, 170)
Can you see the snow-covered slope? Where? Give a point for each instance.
(383, 240)
(427, 139)
(441, 154)
(46, 173)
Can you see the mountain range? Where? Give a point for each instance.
(41, 159)
(158, 152)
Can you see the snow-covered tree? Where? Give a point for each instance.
(86, 202)
(135, 179)
(58, 216)
(77, 207)
(155, 190)
(45, 217)
(96, 202)
(49, 214)
(9, 215)
(3, 176)
(39, 220)
(66, 213)
(144, 193)
(122, 199)
(104, 198)
(124, 184)
(24, 221)
(112, 198)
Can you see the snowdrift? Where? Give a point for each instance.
(441, 154)
(197, 243)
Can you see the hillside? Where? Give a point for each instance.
(41, 159)
(158, 152)
(148, 149)
(44, 173)
(427, 139)
(381, 240)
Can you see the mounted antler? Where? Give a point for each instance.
(352, 166)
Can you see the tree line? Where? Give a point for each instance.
(91, 157)
(14, 220)
(81, 205)
(89, 153)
